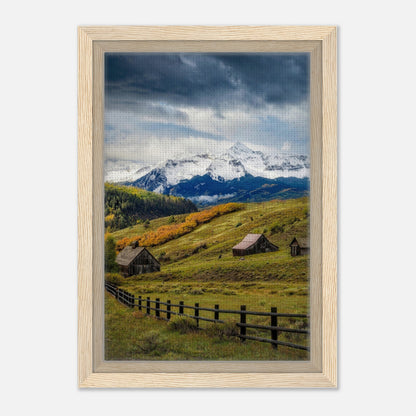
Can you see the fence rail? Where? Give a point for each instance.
(146, 305)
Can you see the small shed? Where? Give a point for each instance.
(299, 246)
(253, 244)
(136, 260)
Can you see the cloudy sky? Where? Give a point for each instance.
(161, 105)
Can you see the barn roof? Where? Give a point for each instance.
(303, 242)
(248, 241)
(128, 254)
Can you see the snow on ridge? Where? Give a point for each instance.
(225, 170)
(185, 169)
(235, 162)
(117, 171)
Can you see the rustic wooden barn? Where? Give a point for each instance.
(299, 246)
(252, 244)
(136, 260)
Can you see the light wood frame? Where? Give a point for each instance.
(321, 370)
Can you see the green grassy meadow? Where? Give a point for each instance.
(199, 268)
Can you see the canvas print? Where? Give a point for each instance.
(207, 187)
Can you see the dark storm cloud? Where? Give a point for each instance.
(277, 79)
(154, 83)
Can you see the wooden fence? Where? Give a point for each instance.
(148, 306)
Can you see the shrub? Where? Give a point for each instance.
(247, 284)
(222, 331)
(199, 247)
(183, 325)
(276, 228)
(162, 256)
(196, 291)
(114, 278)
(294, 337)
(152, 343)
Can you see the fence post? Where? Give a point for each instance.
(273, 322)
(148, 306)
(168, 310)
(197, 314)
(118, 294)
(140, 303)
(132, 301)
(181, 307)
(157, 307)
(242, 321)
(216, 313)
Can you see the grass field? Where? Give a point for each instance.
(199, 267)
(131, 335)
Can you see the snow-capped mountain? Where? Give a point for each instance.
(211, 177)
(234, 163)
(239, 160)
(118, 171)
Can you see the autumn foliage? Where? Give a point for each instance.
(169, 232)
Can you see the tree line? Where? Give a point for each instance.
(127, 205)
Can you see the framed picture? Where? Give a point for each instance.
(207, 206)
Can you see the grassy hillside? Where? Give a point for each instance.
(127, 205)
(205, 253)
(199, 267)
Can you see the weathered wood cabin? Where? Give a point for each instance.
(253, 244)
(136, 260)
(299, 247)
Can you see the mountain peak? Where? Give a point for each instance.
(240, 147)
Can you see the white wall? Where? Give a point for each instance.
(376, 206)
